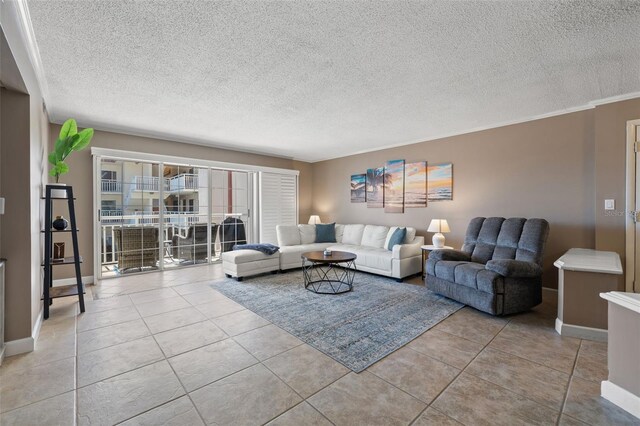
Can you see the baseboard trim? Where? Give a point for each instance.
(68, 281)
(28, 344)
(580, 332)
(621, 397)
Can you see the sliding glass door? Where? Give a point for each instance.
(159, 215)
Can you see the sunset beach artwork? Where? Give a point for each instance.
(375, 187)
(415, 184)
(358, 192)
(440, 182)
(394, 187)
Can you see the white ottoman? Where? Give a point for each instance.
(242, 263)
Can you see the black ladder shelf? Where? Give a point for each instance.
(50, 292)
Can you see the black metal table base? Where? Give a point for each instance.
(328, 278)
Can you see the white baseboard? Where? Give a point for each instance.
(621, 397)
(28, 344)
(68, 281)
(580, 332)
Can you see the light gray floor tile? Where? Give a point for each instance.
(592, 361)
(103, 363)
(179, 412)
(93, 306)
(183, 339)
(127, 395)
(585, 403)
(239, 322)
(209, 296)
(56, 411)
(445, 347)
(473, 325)
(152, 295)
(219, 307)
(267, 341)
(433, 417)
(471, 400)
(24, 387)
(90, 321)
(301, 414)
(365, 399)
(100, 338)
(534, 381)
(252, 396)
(185, 289)
(161, 306)
(419, 375)
(210, 363)
(305, 369)
(173, 319)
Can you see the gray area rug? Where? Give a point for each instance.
(356, 328)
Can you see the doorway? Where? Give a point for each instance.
(632, 258)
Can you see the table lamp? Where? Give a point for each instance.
(438, 226)
(314, 219)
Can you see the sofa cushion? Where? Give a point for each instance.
(408, 238)
(307, 234)
(292, 254)
(465, 274)
(288, 235)
(326, 233)
(353, 234)
(339, 232)
(374, 236)
(372, 257)
(245, 256)
(397, 238)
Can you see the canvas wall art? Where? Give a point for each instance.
(358, 190)
(375, 187)
(440, 182)
(415, 184)
(394, 187)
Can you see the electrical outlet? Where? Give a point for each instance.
(1, 205)
(609, 204)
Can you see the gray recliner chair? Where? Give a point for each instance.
(498, 270)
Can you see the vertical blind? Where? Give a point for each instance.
(278, 204)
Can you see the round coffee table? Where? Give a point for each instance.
(328, 274)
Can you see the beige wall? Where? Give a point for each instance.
(542, 168)
(15, 244)
(23, 168)
(81, 172)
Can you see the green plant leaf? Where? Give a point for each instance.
(59, 148)
(69, 143)
(83, 140)
(53, 172)
(53, 158)
(61, 168)
(69, 128)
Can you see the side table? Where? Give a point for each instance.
(425, 254)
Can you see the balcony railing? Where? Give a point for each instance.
(146, 183)
(181, 182)
(110, 185)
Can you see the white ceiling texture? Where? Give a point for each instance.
(314, 80)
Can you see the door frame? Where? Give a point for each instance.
(630, 224)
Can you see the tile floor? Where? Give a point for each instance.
(166, 348)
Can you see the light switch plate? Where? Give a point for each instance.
(609, 204)
(1, 205)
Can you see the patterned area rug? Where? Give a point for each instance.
(356, 328)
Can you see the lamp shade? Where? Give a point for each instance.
(314, 219)
(438, 225)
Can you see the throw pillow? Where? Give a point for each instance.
(397, 238)
(326, 233)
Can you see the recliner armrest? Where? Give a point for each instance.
(449, 254)
(514, 268)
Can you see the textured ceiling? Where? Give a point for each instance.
(314, 79)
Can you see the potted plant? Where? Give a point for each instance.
(68, 141)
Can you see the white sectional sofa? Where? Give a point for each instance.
(368, 242)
